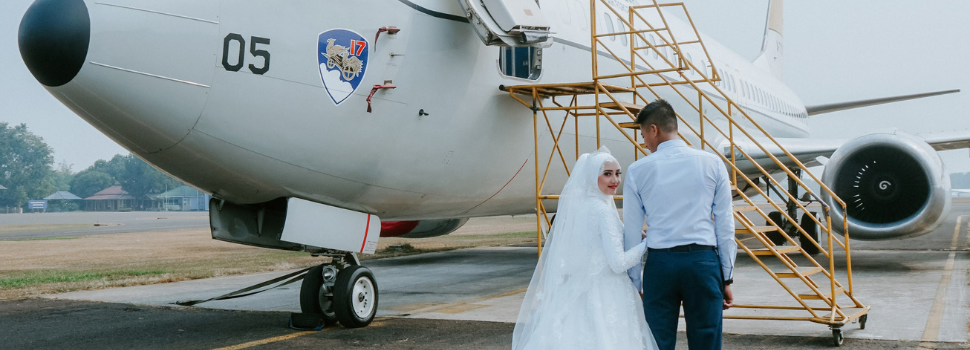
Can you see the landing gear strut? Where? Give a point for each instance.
(807, 224)
(341, 290)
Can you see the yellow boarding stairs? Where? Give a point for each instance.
(658, 62)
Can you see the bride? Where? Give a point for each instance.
(580, 296)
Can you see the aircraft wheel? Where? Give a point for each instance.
(812, 229)
(776, 237)
(317, 298)
(355, 297)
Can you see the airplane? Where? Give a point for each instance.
(320, 126)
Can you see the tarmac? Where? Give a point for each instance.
(469, 299)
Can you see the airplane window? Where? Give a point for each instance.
(564, 14)
(581, 17)
(620, 27)
(609, 26)
(688, 58)
(521, 62)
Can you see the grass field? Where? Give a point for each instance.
(43, 266)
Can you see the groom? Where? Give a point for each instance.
(685, 195)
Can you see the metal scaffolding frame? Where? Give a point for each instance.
(620, 87)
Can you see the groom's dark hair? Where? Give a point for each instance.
(659, 113)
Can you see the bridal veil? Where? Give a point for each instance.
(575, 300)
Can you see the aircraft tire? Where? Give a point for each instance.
(776, 237)
(313, 297)
(355, 297)
(811, 228)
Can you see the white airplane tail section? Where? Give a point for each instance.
(772, 49)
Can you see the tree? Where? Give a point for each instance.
(114, 167)
(960, 180)
(25, 166)
(90, 181)
(62, 177)
(140, 179)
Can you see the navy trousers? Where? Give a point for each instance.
(692, 278)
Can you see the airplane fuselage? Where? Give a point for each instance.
(230, 97)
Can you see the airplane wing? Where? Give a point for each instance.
(808, 150)
(948, 140)
(841, 106)
(805, 150)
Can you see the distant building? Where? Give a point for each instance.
(62, 195)
(110, 199)
(183, 198)
(63, 201)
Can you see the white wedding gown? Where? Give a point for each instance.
(580, 296)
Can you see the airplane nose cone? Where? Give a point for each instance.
(54, 37)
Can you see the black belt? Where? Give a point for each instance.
(683, 248)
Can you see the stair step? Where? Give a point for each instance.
(780, 250)
(823, 296)
(630, 125)
(632, 108)
(804, 271)
(850, 312)
(740, 208)
(744, 230)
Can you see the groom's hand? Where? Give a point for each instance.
(728, 297)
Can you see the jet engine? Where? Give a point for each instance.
(894, 186)
(420, 229)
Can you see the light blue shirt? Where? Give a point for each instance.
(685, 195)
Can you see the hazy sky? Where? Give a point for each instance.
(834, 51)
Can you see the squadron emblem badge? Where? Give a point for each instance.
(342, 55)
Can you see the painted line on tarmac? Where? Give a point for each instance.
(269, 340)
(376, 323)
(469, 301)
(932, 331)
(956, 233)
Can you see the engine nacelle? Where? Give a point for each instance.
(420, 229)
(894, 185)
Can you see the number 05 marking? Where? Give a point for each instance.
(240, 48)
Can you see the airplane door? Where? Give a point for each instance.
(508, 22)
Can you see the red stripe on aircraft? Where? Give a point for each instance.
(367, 228)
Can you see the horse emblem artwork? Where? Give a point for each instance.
(343, 61)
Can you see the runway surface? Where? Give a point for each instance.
(917, 288)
